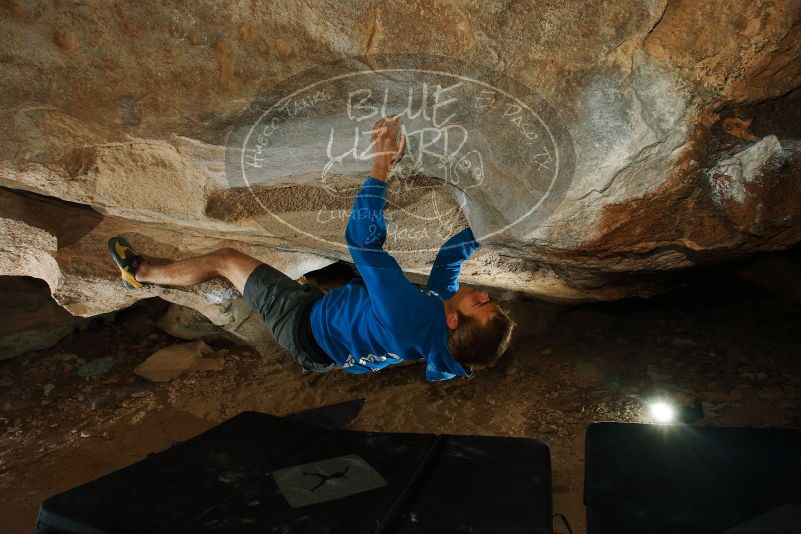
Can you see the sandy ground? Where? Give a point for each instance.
(722, 343)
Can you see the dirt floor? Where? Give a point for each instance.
(719, 341)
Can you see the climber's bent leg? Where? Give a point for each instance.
(284, 305)
(226, 262)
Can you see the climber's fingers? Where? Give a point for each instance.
(387, 139)
(401, 149)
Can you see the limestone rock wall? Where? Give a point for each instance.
(680, 119)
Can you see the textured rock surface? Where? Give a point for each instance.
(31, 320)
(246, 326)
(681, 119)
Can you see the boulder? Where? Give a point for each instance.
(31, 319)
(245, 326)
(595, 149)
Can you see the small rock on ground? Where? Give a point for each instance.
(173, 361)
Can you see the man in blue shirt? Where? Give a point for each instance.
(374, 321)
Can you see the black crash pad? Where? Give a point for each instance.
(261, 473)
(664, 479)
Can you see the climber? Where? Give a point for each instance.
(375, 320)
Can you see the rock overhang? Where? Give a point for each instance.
(139, 120)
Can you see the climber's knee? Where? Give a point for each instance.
(234, 265)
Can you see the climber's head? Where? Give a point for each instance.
(479, 330)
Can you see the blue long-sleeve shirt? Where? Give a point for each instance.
(382, 318)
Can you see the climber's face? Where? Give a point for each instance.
(475, 303)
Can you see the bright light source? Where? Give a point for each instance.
(662, 412)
